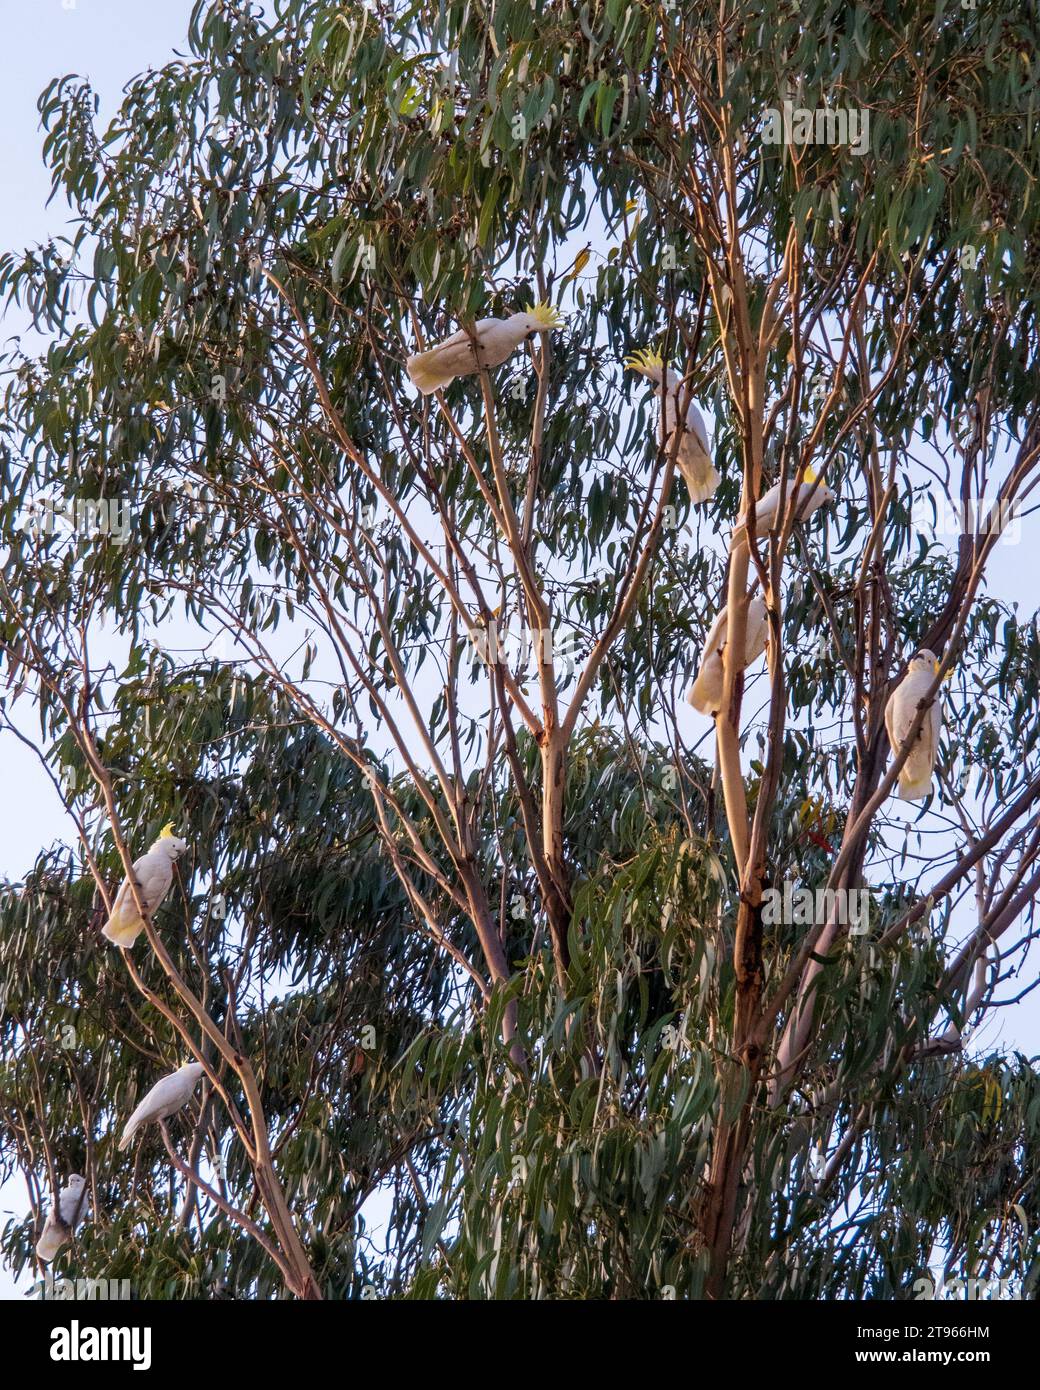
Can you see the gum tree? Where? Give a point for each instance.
(474, 919)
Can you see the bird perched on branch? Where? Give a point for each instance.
(915, 777)
(154, 874)
(497, 339)
(165, 1098)
(693, 458)
(63, 1218)
(706, 694)
(811, 494)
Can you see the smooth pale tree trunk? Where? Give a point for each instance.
(557, 906)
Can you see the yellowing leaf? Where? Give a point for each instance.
(581, 260)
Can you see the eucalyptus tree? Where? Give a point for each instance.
(470, 925)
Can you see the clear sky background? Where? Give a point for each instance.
(109, 41)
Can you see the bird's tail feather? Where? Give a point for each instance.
(915, 789)
(120, 932)
(50, 1243)
(703, 696)
(702, 482)
(425, 373)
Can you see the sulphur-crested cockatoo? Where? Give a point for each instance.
(812, 494)
(154, 874)
(497, 339)
(693, 458)
(63, 1218)
(165, 1098)
(915, 779)
(706, 694)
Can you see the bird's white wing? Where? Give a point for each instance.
(155, 874)
(904, 704)
(890, 720)
(765, 512)
(915, 777)
(706, 693)
(72, 1205)
(439, 365)
(693, 420)
(144, 868)
(915, 780)
(458, 339)
(499, 339)
(716, 638)
(124, 904)
(454, 357)
(695, 424)
(167, 1095)
(935, 714)
(757, 633)
(139, 1117)
(152, 1107)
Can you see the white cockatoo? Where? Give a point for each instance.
(497, 339)
(154, 874)
(693, 456)
(706, 694)
(165, 1098)
(915, 778)
(63, 1218)
(812, 495)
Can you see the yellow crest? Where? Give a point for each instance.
(166, 833)
(811, 476)
(546, 315)
(645, 361)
